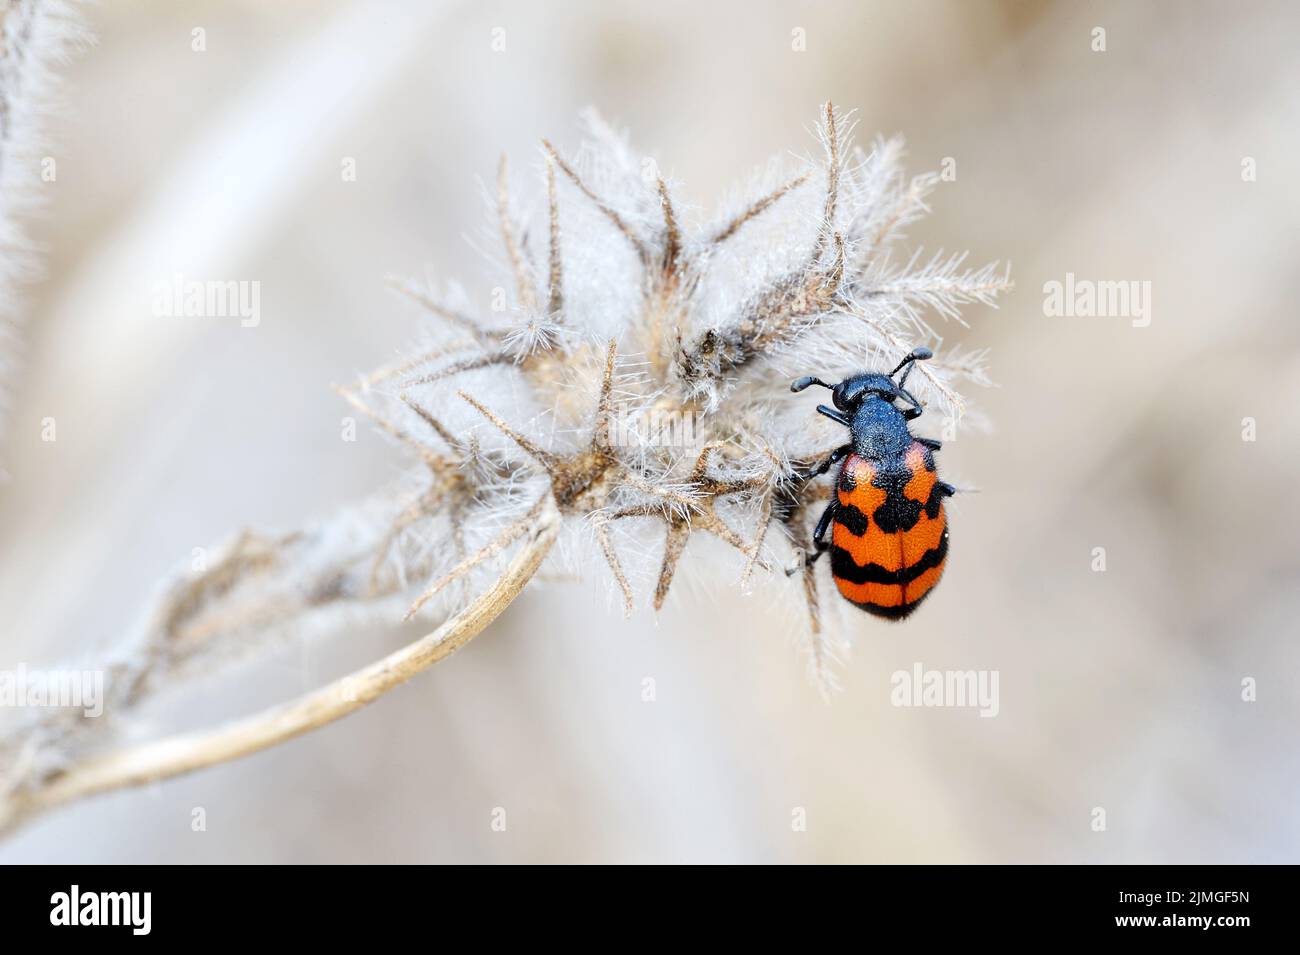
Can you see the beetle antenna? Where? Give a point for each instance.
(807, 381)
(920, 353)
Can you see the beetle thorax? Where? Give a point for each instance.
(879, 429)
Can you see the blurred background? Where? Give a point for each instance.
(1119, 689)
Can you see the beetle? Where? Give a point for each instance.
(889, 532)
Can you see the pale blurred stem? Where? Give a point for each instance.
(184, 753)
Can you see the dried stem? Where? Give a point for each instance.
(398, 368)
(757, 209)
(832, 183)
(524, 284)
(555, 297)
(185, 753)
(436, 308)
(603, 206)
(672, 233)
(485, 360)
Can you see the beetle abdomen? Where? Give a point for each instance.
(889, 541)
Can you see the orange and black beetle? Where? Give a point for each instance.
(890, 536)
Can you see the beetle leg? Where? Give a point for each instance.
(835, 457)
(823, 525)
(930, 443)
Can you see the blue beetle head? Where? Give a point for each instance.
(851, 392)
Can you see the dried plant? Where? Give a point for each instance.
(35, 36)
(627, 390)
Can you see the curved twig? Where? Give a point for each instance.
(184, 753)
